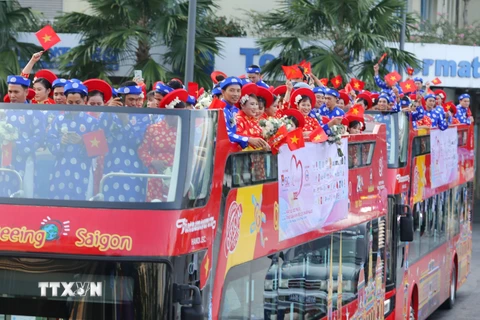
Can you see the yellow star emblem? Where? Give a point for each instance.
(95, 143)
(393, 78)
(317, 138)
(408, 86)
(355, 111)
(337, 82)
(294, 139)
(47, 38)
(356, 85)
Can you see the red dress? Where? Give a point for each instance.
(48, 101)
(158, 144)
(248, 126)
(310, 124)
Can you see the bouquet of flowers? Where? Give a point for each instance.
(289, 124)
(204, 101)
(336, 137)
(8, 133)
(274, 131)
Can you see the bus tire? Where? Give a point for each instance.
(450, 302)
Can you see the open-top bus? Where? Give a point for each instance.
(231, 234)
(430, 171)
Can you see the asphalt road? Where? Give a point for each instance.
(468, 296)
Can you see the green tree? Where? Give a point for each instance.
(129, 29)
(334, 34)
(12, 16)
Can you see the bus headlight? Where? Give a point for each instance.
(269, 285)
(283, 283)
(387, 305)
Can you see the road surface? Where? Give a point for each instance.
(468, 297)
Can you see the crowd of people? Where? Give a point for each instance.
(147, 142)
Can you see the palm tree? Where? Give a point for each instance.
(346, 30)
(130, 29)
(12, 18)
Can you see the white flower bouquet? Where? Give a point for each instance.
(204, 101)
(8, 133)
(336, 137)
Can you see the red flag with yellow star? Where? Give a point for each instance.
(436, 81)
(337, 81)
(193, 89)
(95, 143)
(7, 154)
(324, 81)
(408, 86)
(295, 139)
(47, 37)
(357, 85)
(318, 135)
(307, 67)
(392, 78)
(292, 72)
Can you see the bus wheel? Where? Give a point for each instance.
(453, 289)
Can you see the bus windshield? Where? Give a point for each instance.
(105, 155)
(71, 289)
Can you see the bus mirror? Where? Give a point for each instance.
(189, 298)
(406, 223)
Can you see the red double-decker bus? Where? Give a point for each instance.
(225, 234)
(431, 172)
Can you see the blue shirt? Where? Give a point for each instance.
(230, 114)
(462, 115)
(438, 119)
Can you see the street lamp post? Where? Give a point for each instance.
(190, 56)
(404, 26)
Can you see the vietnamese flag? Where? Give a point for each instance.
(292, 72)
(7, 154)
(324, 81)
(307, 67)
(47, 37)
(193, 89)
(318, 135)
(295, 139)
(436, 81)
(337, 81)
(392, 78)
(217, 104)
(408, 86)
(95, 143)
(410, 71)
(357, 85)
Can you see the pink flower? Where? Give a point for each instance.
(461, 35)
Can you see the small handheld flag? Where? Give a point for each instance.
(47, 37)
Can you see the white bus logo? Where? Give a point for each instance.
(71, 289)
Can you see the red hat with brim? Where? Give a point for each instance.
(168, 101)
(99, 85)
(247, 90)
(30, 94)
(344, 96)
(280, 90)
(214, 75)
(265, 94)
(374, 97)
(302, 92)
(367, 97)
(296, 114)
(440, 93)
(450, 106)
(46, 74)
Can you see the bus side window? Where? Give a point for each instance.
(414, 248)
(248, 168)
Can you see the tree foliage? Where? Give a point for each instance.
(334, 35)
(129, 29)
(12, 17)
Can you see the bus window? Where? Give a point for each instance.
(414, 247)
(354, 155)
(367, 153)
(201, 172)
(403, 129)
